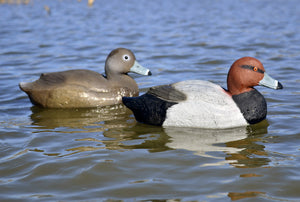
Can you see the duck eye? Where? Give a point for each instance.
(253, 68)
(126, 57)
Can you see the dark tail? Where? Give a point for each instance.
(148, 108)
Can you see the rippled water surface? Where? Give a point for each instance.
(103, 154)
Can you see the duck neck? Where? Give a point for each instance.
(236, 86)
(125, 82)
(233, 90)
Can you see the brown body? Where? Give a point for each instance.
(85, 88)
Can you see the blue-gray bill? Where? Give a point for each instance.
(139, 69)
(269, 82)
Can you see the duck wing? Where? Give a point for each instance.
(167, 93)
(49, 81)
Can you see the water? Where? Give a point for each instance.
(103, 154)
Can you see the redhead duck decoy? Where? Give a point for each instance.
(85, 88)
(197, 103)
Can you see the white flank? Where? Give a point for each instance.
(207, 106)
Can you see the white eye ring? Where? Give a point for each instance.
(126, 57)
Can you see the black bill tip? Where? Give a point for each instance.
(279, 86)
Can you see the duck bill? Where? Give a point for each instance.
(269, 82)
(139, 69)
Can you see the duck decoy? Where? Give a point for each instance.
(85, 88)
(203, 104)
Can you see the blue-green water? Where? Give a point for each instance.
(103, 154)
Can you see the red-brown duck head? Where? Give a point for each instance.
(247, 72)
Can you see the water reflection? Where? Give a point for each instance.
(241, 145)
(203, 141)
(140, 136)
(248, 194)
(110, 128)
(79, 118)
(253, 152)
(114, 128)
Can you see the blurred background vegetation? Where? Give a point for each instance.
(89, 2)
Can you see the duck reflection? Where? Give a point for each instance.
(139, 136)
(101, 118)
(241, 145)
(252, 152)
(203, 141)
(114, 128)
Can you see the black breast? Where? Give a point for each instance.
(252, 105)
